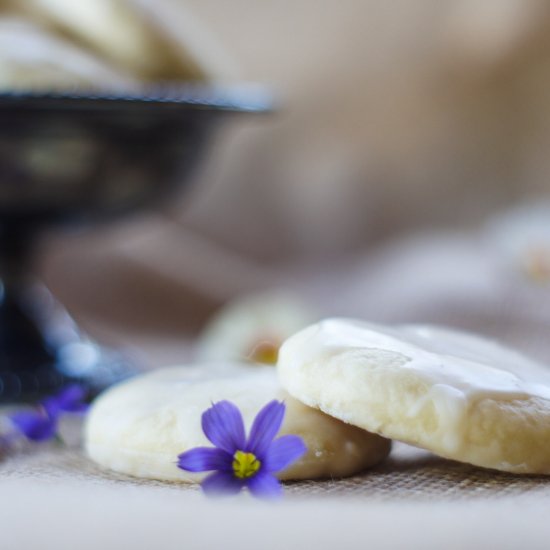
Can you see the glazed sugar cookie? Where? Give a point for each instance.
(456, 394)
(141, 426)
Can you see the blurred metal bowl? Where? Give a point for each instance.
(66, 157)
(78, 158)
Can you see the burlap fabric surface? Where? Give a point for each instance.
(409, 473)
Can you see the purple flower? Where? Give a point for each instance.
(238, 462)
(41, 423)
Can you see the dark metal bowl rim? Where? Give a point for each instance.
(243, 98)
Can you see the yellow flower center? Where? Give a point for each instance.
(245, 465)
(265, 352)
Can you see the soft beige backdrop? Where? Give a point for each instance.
(394, 119)
(395, 115)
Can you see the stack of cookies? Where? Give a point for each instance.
(350, 388)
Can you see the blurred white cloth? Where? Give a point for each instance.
(164, 282)
(64, 515)
(393, 117)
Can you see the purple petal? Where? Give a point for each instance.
(221, 483)
(265, 485)
(265, 427)
(35, 426)
(70, 399)
(223, 426)
(203, 459)
(51, 406)
(283, 452)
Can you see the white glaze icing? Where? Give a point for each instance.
(460, 366)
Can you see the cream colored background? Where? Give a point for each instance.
(394, 116)
(396, 121)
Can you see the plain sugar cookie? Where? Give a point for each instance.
(140, 427)
(458, 395)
